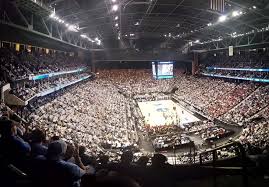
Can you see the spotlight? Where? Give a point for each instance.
(83, 36)
(115, 8)
(52, 15)
(235, 13)
(222, 18)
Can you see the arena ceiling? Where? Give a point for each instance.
(159, 23)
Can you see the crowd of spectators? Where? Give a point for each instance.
(240, 59)
(17, 66)
(98, 114)
(56, 162)
(94, 105)
(29, 89)
(20, 65)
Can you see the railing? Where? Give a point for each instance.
(242, 170)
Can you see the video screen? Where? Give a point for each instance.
(163, 70)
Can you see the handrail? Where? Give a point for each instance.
(243, 170)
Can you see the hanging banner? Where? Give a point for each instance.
(17, 47)
(29, 48)
(231, 50)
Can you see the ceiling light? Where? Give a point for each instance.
(222, 18)
(52, 15)
(254, 7)
(116, 25)
(197, 41)
(116, 18)
(72, 28)
(83, 36)
(132, 34)
(115, 8)
(235, 13)
(113, 1)
(137, 23)
(209, 24)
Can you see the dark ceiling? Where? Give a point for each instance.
(158, 23)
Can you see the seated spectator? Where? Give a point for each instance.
(126, 158)
(159, 161)
(14, 148)
(86, 159)
(38, 139)
(57, 172)
(142, 161)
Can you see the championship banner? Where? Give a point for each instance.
(17, 47)
(217, 5)
(231, 50)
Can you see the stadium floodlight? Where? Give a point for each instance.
(67, 25)
(222, 18)
(83, 36)
(115, 8)
(90, 40)
(52, 15)
(116, 25)
(209, 24)
(72, 28)
(116, 18)
(132, 34)
(235, 13)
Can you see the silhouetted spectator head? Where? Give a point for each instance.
(56, 150)
(142, 161)
(126, 157)
(38, 136)
(103, 159)
(158, 160)
(7, 128)
(69, 152)
(82, 150)
(86, 159)
(54, 138)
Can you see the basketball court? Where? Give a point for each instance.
(165, 112)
